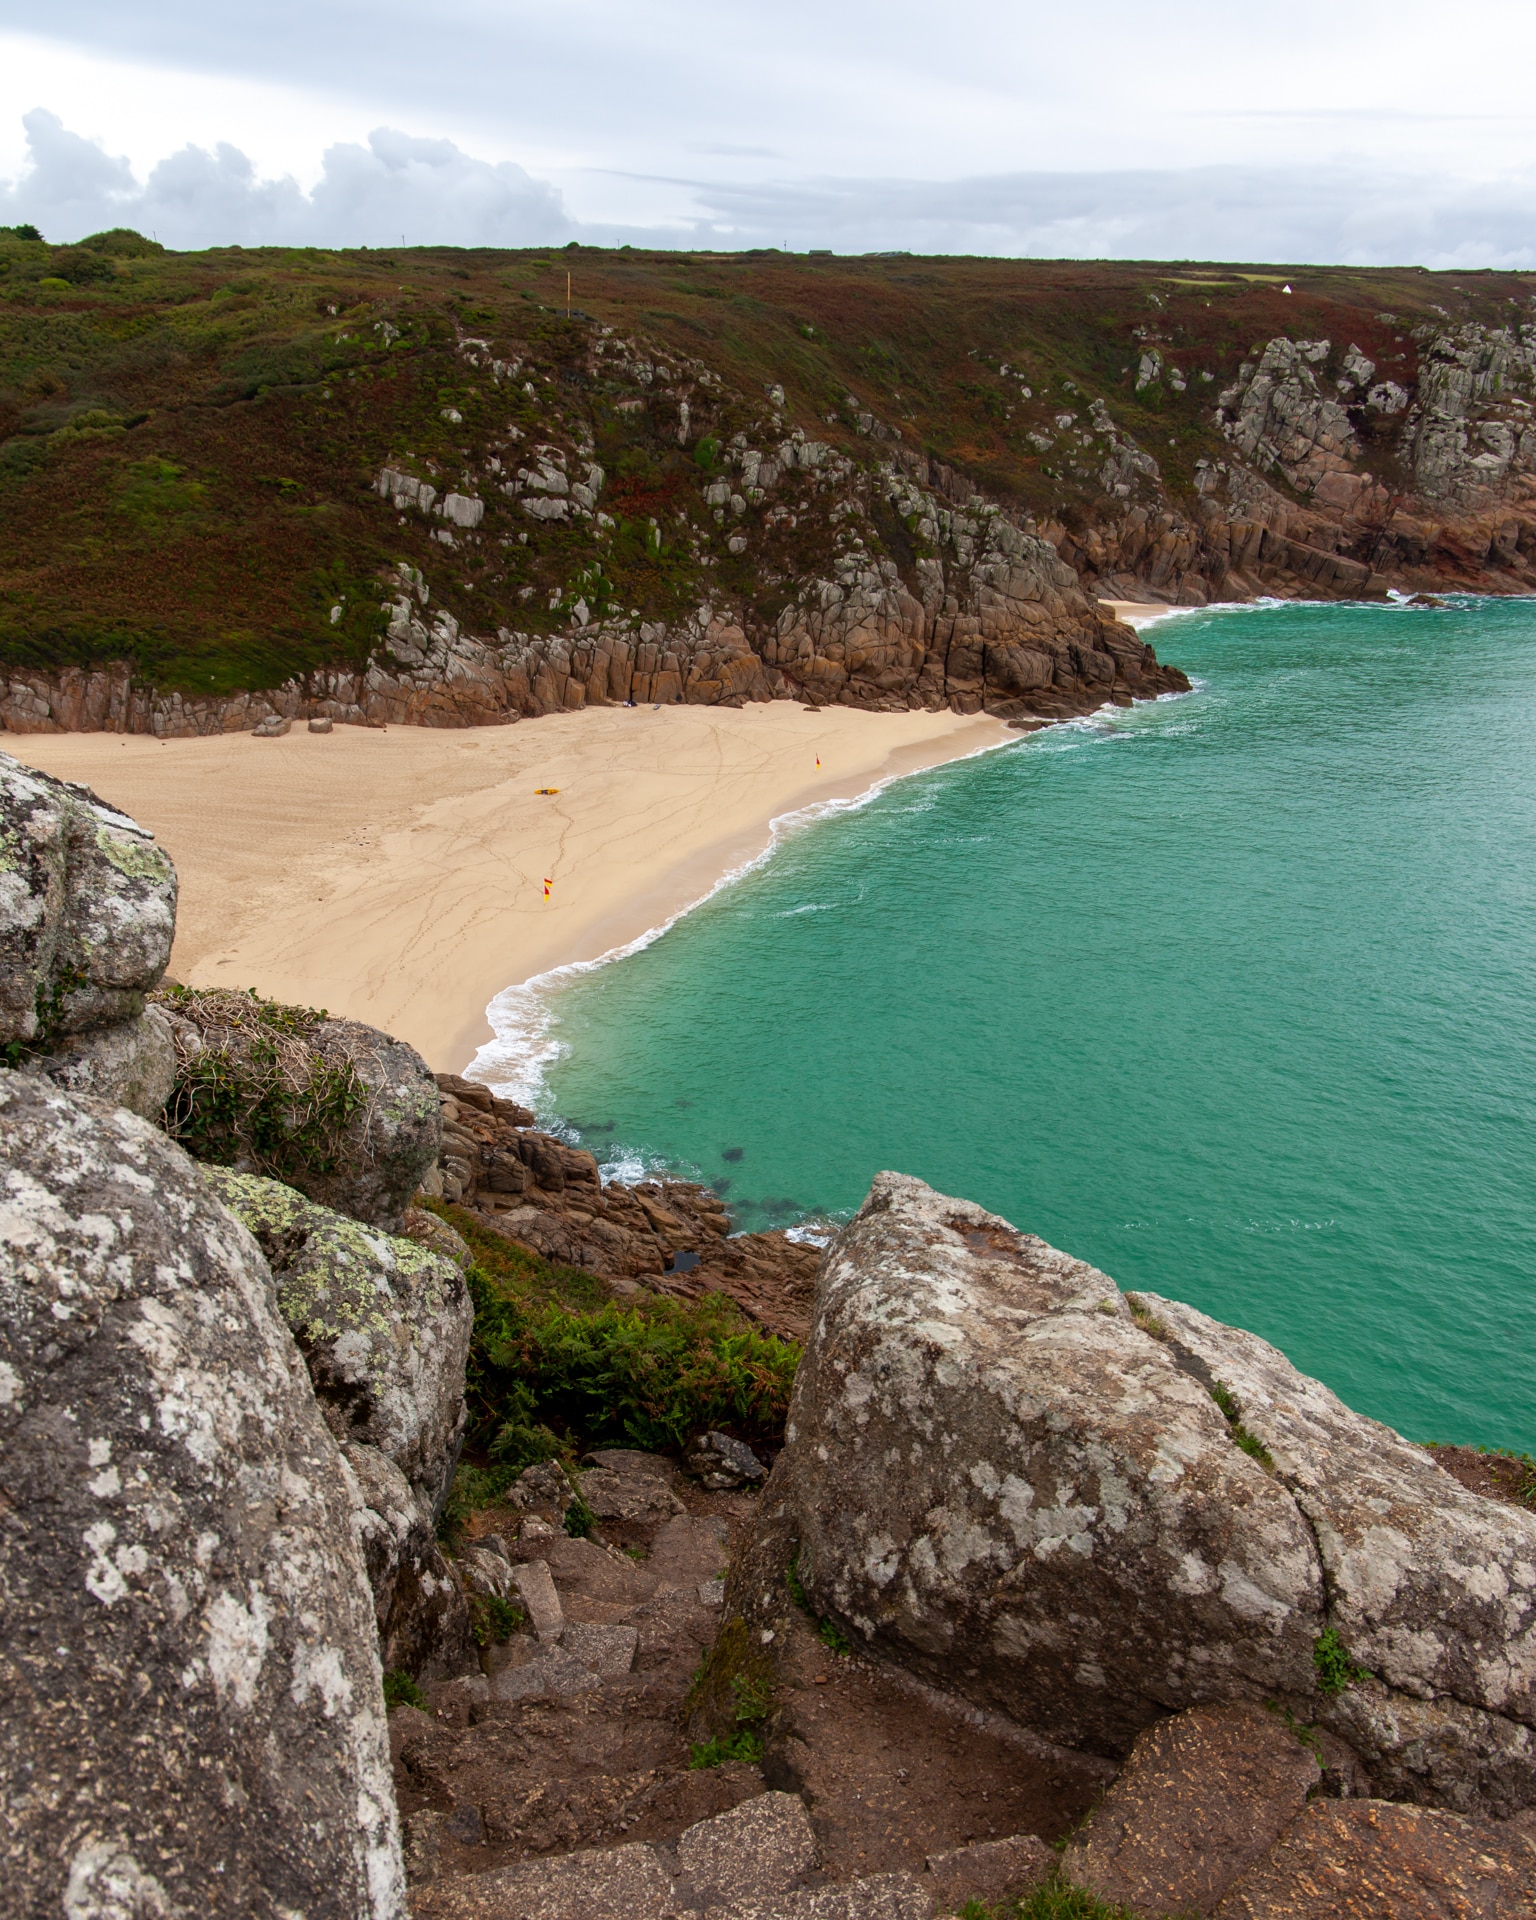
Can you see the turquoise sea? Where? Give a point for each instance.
(1231, 995)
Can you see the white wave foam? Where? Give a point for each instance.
(818, 1231)
(517, 1060)
(629, 1168)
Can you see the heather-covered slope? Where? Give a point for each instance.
(886, 481)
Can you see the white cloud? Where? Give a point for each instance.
(400, 186)
(397, 187)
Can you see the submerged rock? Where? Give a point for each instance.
(1089, 1513)
(191, 1716)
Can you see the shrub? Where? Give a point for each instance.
(1335, 1669)
(81, 267)
(256, 1093)
(400, 1690)
(124, 242)
(550, 1349)
(644, 1374)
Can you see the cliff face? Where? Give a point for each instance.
(410, 489)
(1337, 483)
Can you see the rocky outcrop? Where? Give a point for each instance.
(87, 914)
(131, 1063)
(1360, 1859)
(671, 1236)
(191, 1691)
(1018, 638)
(1203, 1797)
(419, 1601)
(1087, 1512)
(383, 1325)
(339, 1110)
(1239, 1812)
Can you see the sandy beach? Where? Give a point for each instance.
(1138, 613)
(397, 876)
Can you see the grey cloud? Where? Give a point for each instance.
(1324, 215)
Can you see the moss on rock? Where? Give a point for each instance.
(383, 1324)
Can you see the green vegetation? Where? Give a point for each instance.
(49, 1002)
(188, 442)
(400, 1690)
(1250, 1443)
(1520, 1483)
(733, 1691)
(749, 1701)
(493, 1619)
(1054, 1899)
(831, 1636)
(744, 1746)
(579, 1519)
(556, 1365)
(548, 1343)
(1335, 1669)
(257, 1090)
(1145, 1318)
(1306, 1734)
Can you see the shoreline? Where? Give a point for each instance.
(396, 875)
(525, 1004)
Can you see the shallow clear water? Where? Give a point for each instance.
(1230, 995)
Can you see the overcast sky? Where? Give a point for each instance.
(1329, 130)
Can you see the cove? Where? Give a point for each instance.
(1229, 994)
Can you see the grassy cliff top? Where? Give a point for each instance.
(189, 443)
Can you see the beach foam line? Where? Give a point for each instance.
(517, 1059)
(523, 1048)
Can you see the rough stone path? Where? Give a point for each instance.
(554, 1778)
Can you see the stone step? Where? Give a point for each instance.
(881, 1896)
(757, 1861)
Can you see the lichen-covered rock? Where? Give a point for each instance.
(87, 908)
(1431, 1588)
(191, 1717)
(419, 1604)
(132, 1063)
(383, 1325)
(346, 1114)
(1066, 1511)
